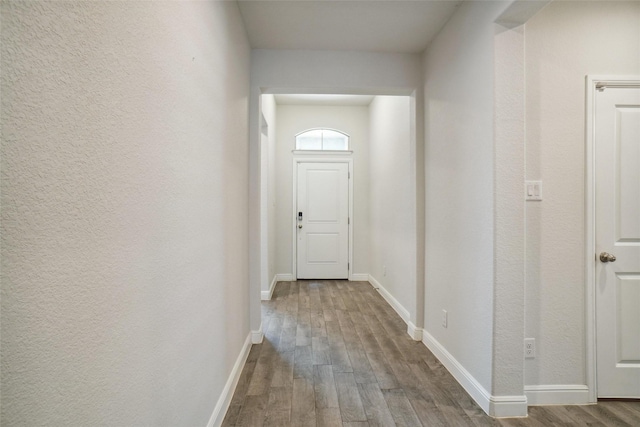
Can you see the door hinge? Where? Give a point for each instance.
(348, 220)
(349, 173)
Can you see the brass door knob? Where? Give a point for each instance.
(606, 257)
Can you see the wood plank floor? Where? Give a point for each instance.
(336, 354)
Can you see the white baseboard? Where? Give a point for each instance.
(359, 277)
(508, 406)
(496, 406)
(266, 295)
(402, 312)
(562, 394)
(414, 332)
(257, 336)
(230, 387)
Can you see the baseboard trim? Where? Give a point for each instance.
(466, 380)
(561, 394)
(414, 332)
(495, 406)
(230, 387)
(257, 336)
(402, 312)
(266, 295)
(285, 277)
(359, 277)
(508, 406)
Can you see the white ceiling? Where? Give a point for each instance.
(303, 99)
(360, 25)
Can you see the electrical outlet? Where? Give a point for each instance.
(384, 271)
(529, 348)
(445, 320)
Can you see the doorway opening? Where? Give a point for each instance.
(380, 165)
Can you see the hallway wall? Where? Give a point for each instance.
(459, 183)
(353, 120)
(392, 202)
(565, 42)
(124, 210)
(268, 192)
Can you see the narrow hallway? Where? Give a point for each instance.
(336, 354)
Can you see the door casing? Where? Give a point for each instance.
(320, 158)
(590, 225)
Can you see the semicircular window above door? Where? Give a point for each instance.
(322, 140)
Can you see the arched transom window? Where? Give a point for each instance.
(322, 140)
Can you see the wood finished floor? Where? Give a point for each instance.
(336, 354)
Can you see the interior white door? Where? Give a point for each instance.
(322, 223)
(617, 171)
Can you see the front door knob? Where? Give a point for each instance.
(606, 257)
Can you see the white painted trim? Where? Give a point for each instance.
(257, 336)
(285, 277)
(266, 295)
(224, 400)
(508, 406)
(402, 312)
(280, 277)
(294, 214)
(495, 406)
(359, 277)
(351, 220)
(590, 246)
(414, 332)
(322, 152)
(590, 229)
(563, 394)
(466, 380)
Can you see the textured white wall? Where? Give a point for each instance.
(509, 213)
(335, 71)
(392, 198)
(273, 239)
(459, 165)
(124, 210)
(268, 170)
(353, 120)
(565, 42)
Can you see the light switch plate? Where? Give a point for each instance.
(533, 190)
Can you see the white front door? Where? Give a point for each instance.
(617, 169)
(322, 221)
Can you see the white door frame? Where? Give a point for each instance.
(592, 84)
(319, 158)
